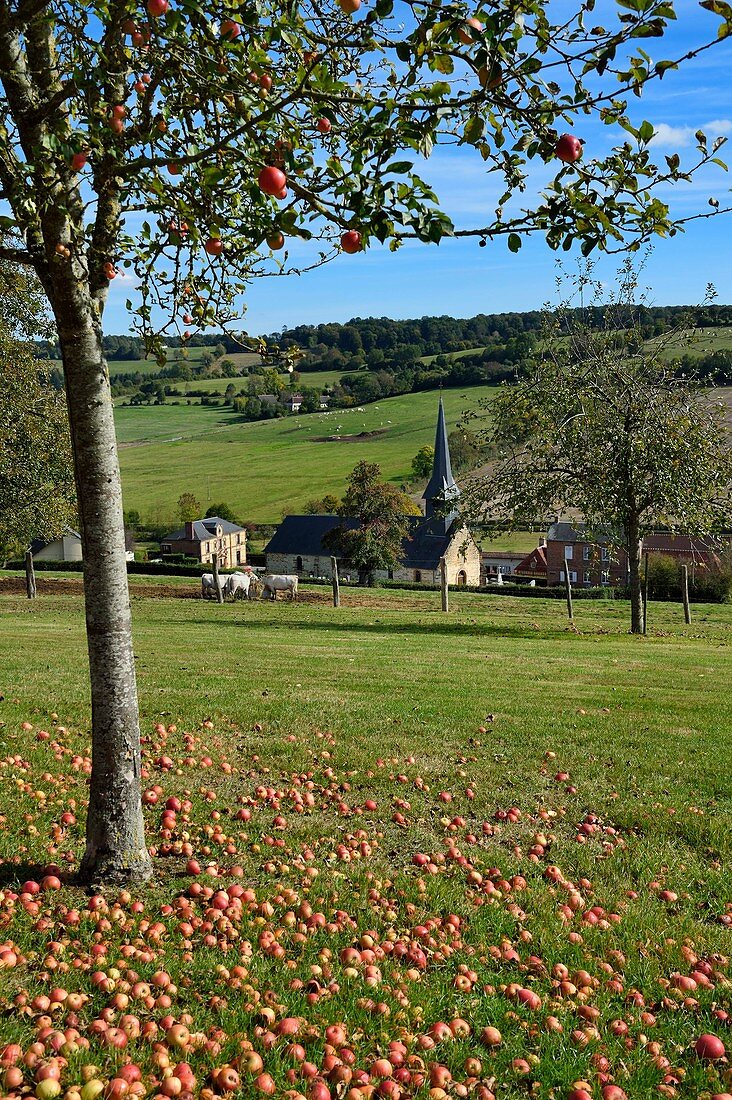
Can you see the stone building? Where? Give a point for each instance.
(202, 538)
(297, 545)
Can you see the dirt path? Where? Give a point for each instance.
(374, 599)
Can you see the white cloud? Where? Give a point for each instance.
(680, 137)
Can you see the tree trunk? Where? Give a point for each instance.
(568, 592)
(635, 557)
(115, 837)
(685, 593)
(30, 576)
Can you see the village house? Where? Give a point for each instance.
(594, 563)
(498, 563)
(534, 566)
(202, 538)
(297, 545)
(67, 547)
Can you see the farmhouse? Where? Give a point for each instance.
(202, 538)
(592, 563)
(297, 545)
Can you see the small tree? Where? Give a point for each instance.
(383, 525)
(605, 427)
(223, 511)
(422, 462)
(188, 508)
(327, 505)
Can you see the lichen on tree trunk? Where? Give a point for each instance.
(115, 839)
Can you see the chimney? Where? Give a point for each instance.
(189, 530)
(542, 543)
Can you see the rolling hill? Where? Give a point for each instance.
(267, 468)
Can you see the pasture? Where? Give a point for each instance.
(268, 468)
(486, 820)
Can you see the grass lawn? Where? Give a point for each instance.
(484, 819)
(265, 469)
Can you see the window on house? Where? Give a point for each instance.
(605, 554)
(572, 576)
(586, 552)
(568, 553)
(238, 540)
(587, 576)
(418, 574)
(238, 557)
(605, 577)
(561, 574)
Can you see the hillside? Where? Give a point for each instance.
(265, 469)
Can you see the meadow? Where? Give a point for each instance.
(266, 469)
(398, 853)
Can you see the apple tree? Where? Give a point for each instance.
(607, 427)
(184, 144)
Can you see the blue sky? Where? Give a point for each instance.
(461, 279)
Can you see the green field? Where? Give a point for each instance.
(264, 469)
(412, 734)
(701, 341)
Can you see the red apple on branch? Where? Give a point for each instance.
(568, 148)
(214, 246)
(351, 241)
(157, 8)
(271, 180)
(348, 7)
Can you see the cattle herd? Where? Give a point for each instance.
(243, 586)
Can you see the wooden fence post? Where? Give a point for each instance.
(645, 592)
(217, 578)
(443, 585)
(336, 582)
(568, 587)
(685, 593)
(30, 576)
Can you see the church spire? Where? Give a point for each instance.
(441, 491)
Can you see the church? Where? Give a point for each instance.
(297, 545)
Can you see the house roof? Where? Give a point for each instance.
(538, 556)
(204, 529)
(39, 544)
(658, 541)
(303, 535)
(422, 548)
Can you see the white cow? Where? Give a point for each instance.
(237, 586)
(272, 583)
(208, 586)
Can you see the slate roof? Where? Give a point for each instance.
(441, 487)
(301, 536)
(39, 544)
(204, 529)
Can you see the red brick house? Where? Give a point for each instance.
(593, 564)
(534, 565)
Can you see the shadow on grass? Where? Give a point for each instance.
(446, 629)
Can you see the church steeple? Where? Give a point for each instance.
(441, 493)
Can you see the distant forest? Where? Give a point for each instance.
(394, 357)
